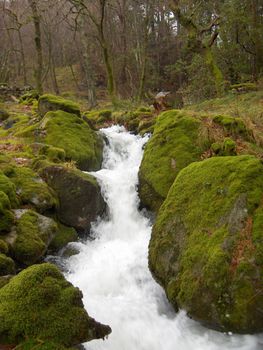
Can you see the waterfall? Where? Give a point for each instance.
(112, 268)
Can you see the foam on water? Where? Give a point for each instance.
(112, 270)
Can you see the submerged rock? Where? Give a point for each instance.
(80, 199)
(40, 304)
(206, 246)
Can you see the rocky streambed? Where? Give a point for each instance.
(202, 176)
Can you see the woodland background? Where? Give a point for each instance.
(130, 49)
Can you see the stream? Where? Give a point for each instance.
(112, 269)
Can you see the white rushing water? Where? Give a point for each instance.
(112, 270)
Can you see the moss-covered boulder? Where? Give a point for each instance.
(9, 189)
(6, 216)
(3, 247)
(80, 200)
(48, 102)
(64, 236)
(70, 133)
(98, 118)
(175, 144)
(32, 190)
(206, 248)
(232, 125)
(7, 265)
(31, 236)
(40, 304)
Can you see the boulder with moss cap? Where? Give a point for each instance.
(30, 237)
(40, 304)
(206, 248)
(48, 102)
(175, 144)
(68, 132)
(80, 199)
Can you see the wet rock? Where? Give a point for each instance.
(80, 199)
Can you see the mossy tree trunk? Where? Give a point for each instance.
(198, 43)
(38, 45)
(106, 52)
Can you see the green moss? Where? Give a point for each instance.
(40, 304)
(81, 144)
(6, 221)
(33, 344)
(175, 144)
(235, 126)
(3, 247)
(97, 118)
(229, 147)
(29, 98)
(244, 87)
(4, 280)
(216, 148)
(6, 164)
(4, 202)
(7, 265)
(63, 237)
(144, 109)
(8, 188)
(56, 154)
(49, 102)
(146, 125)
(16, 123)
(32, 190)
(34, 233)
(206, 245)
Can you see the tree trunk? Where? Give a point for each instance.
(23, 57)
(38, 44)
(89, 76)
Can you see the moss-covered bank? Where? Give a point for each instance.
(206, 246)
(182, 137)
